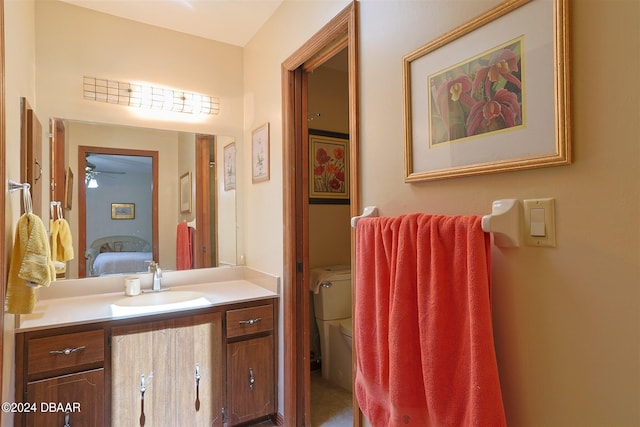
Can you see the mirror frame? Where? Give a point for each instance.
(83, 150)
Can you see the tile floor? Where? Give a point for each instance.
(331, 406)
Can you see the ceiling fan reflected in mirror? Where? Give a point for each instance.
(91, 173)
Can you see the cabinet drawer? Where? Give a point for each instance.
(81, 394)
(64, 351)
(250, 320)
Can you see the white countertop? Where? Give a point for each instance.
(73, 310)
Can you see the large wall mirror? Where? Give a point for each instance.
(134, 187)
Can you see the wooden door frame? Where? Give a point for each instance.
(203, 243)
(82, 198)
(31, 150)
(3, 194)
(57, 162)
(340, 32)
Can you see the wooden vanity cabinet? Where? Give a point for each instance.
(251, 381)
(210, 367)
(60, 378)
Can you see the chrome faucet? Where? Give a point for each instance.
(155, 269)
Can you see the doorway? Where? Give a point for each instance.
(338, 34)
(86, 171)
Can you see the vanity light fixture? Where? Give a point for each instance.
(147, 96)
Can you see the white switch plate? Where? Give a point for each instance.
(549, 220)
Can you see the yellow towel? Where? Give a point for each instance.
(30, 265)
(61, 243)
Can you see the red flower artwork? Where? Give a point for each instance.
(479, 96)
(328, 167)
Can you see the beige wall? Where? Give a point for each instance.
(227, 207)
(72, 42)
(566, 319)
(292, 25)
(186, 163)
(19, 82)
(329, 227)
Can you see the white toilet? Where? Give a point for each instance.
(331, 287)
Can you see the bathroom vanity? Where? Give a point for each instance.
(211, 364)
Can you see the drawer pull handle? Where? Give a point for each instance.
(66, 420)
(252, 379)
(68, 351)
(250, 321)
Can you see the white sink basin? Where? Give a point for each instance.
(159, 301)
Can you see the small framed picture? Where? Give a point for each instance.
(260, 153)
(229, 152)
(68, 189)
(123, 210)
(328, 167)
(185, 192)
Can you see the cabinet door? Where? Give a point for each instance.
(76, 398)
(198, 381)
(137, 351)
(250, 379)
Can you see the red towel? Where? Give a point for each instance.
(422, 324)
(184, 252)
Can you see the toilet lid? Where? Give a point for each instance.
(346, 327)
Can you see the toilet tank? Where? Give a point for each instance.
(333, 300)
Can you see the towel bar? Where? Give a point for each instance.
(503, 222)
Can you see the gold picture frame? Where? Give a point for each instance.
(490, 96)
(260, 162)
(328, 167)
(185, 192)
(229, 153)
(68, 189)
(123, 210)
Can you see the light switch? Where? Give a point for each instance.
(539, 217)
(538, 227)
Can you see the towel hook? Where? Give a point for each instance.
(15, 186)
(58, 211)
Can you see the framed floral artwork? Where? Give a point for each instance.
(490, 96)
(328, 167)
(260, 153)
(229, 152)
